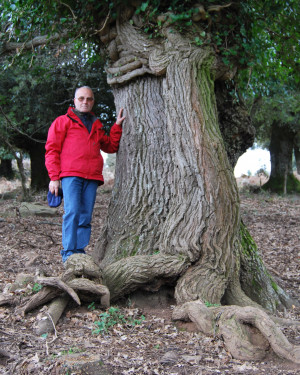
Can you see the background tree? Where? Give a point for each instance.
(174, 217)
(6, 169)
(271, 90)
(17, 154)
(278, 126)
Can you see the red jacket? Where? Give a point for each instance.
(72, 151)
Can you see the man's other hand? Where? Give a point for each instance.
(53, 187)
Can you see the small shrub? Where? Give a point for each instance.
(36, 287)
(113, 316)
(92, 306)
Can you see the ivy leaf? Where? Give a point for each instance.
(198, 41)
(226, 61)
(144, 6)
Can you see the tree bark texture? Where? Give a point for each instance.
(174, 192)
(142, 271)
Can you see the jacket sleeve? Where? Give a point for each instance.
(56, 136)
(110, 144)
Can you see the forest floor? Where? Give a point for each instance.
(150, 342)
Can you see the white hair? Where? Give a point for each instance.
(83, 87)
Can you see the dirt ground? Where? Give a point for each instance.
(154, 344)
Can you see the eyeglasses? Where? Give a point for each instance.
(88, 99)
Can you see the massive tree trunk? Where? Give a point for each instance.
(282, 179)
(175, 194)
(174, 191)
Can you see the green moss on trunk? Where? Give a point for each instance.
(255, 279)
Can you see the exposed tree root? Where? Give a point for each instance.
(255, 279)
(55, 311)
(247, 331)
(82, 264)
(81, 275)
(285, 322)
(86, 285)
(234, 295)
(129, 274)
(56, 282)
(6, 299)
(42, 297)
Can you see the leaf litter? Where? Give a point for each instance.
(157, 345)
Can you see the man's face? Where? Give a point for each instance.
(84, 100)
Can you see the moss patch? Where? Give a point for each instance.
(276, 184)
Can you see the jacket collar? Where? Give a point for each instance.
(77, 119)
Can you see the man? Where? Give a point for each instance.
(73, 159)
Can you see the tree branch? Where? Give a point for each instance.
(18, 130)
(35, 42)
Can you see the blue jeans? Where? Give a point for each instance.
(79, 200)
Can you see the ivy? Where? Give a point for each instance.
(253, 33)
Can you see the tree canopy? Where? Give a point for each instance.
(251, 34)
(256, 41)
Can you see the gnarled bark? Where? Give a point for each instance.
(45, 295)
(174, 214)
(87, 286)
(143, 271)
(56, 282)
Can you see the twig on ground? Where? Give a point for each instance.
(55, 334)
